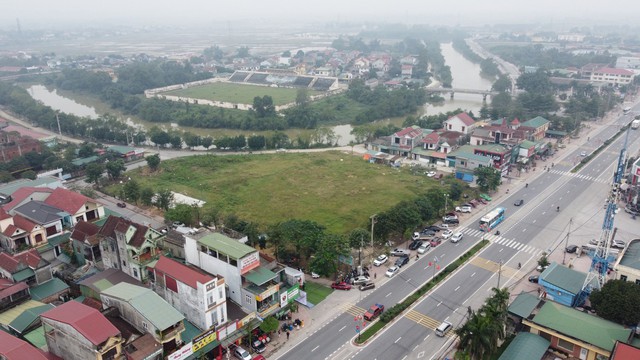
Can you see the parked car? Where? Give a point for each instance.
(373, 312)
(435, 228)
(415, 245)
(482, 201)
(473, 203)
(534, 278)
(485, 197)
(392, 271)
(258, 346)
(447, 234)
(381, 259)
(583, 153)
(431, 173)
(122, 205)
(402, 261)
(259, 357)
(465, 208)
(435, 241)
(443, 226)
(424, 248)
(428, 232)
(367, 286)
(446, 218)
(241, 353)
(452, 222)
(399, 252)
(341, 286)
(618, 244)
(571, 249)
(416, 236)
(594, 242)
(456, 237)
(315, 275)
(518, 202)
(361, 280)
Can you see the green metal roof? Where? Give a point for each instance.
(631, 256)
(260, 275)
(7, 316)
(36, 338)
(495, 148)
(582, 326)
(23, 275)
(474, 157)
(149, 304)
(28, 317)
(564, 278)
(84, 161)
(226, 245)
(526, 144)
(523, 305)
(47, 289)
(536, 122)
(526, 346)
(13, 186)
(121, 149)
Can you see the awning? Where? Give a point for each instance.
(23, 275)
(260, 275)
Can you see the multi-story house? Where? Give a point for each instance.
(147, 312)
(500, 154)
(128, 246)
(461, 122)
(76, 331)
(200, 297)
(27, 266)
(627, 267)
(86, 244)
(12, 294)
(535, 128)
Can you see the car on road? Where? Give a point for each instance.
(402, 261)
(618, 244)
(415, 245)
(456, 237)
(373, 312)
(595, 242)
(435, 241)
(518, 202)
(399, 252)
(341, 286)
(258, 346)
(367, 286)
(424, 248)
(447, 234)
(431, 173)
(583, 153)
(361, 280)
(534, 278)
(392, 271)
(571, 249)
(381, 259)
(121, 205)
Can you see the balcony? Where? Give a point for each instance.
(170, 333)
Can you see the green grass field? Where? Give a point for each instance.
(337, 190)
(238, 93)
(316, 292)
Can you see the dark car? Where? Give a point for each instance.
(571, 249)
(518, 202)
(121, 204)
(402, 261)
(341, 286)
(452, 221)
(415, 245)
(428, 232)
(534, 278)
(367, 286)
(432, 228)
(258, 346)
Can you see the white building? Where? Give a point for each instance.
(612, 76)
(200, 297)
(628, 62)
(461, 122)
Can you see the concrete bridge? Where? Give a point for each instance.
(452, 91)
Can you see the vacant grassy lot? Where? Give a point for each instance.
(238, 93)
(337, 190)
(316, 292)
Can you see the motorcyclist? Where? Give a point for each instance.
(526, 185)
(417, 257)
(519, 266)
(558, 208)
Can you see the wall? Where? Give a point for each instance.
(66, 342)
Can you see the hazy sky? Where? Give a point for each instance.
(185, 12)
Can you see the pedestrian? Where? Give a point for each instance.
(287, 335)
(375, 275)
(278, 333)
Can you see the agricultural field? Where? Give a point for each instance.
(238, 93)
(337, 190)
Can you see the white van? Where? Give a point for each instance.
(444, 328)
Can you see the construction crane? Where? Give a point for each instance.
(597, 275)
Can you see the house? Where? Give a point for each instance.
(526, 346)
(18, 233)
(12, 348)
(561, 284)
(612, 76)
(499, 132)
(461, 122)
(403, 142)
(12, 294)
(409, 60)
(147, 312)
(94, 285)
(28, 320)
(537, 127)
(587, 70)
(324, 71)
(500, 154)
(575, 333)
(126, 153)
(381, 65)
(622, 351)
(467, 163)
(128, 246)
(85, 242)
(406, 71)
(76, 331)
(200, 297)
(54, 290)
(627, 266)
(46, 217)
(26, 266)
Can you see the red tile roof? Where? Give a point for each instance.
(67, 200)
(119, 224)
(23, 223)
(5, 283)
(614, 71)
(409, 132)
(14, 289)
(181, 272)
(86, 320)
(432, 138)
(23, 193)
(31, 258)
(4, 214)
(13, 348)
(465, 118)
(515, 121)
(10, 230)
(8, 263)
(85, 231)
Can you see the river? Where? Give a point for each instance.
(466, 74)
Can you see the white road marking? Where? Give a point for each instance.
(440, 303)
(500, 249)
(426, 337)
(415, 348)
(397, 340)
(342, 328)
(388, 295)
(315, 348)
(472, 274)
(534, 221)
(456, 289)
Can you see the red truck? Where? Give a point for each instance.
(373, 312)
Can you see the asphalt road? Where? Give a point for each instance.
(527, 231)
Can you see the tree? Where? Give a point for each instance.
(302, 97)
(269, 325)
(325, 258)
(164, 198)
(206, 141)
(153, 161)
(29, 174)
(243, 52)
(359, 237)
(94, 172)
(115, 169)
(257, 142)
(181, 213)
(488, 178)
(503, 84)
(131, 191)
(160, 138)
(146, 196)
(263, 106)
(618, 301)
(286, 53)
(86, 150)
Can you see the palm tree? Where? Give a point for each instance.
(478, 336)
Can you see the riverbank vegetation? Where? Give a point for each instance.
(547, 58)
(488, 67)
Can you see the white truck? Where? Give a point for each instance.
(635, 124)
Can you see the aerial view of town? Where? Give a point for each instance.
(321, 181)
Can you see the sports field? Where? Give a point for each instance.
(238, 93)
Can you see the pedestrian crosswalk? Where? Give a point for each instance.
(581, 176)
(352, 309)
(496, 239)
(424, 320)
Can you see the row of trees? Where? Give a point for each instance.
(385, 103)
(487, 66)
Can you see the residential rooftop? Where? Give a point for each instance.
(631, 256)
(226, 245)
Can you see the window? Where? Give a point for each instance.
(135, 273)
(145, 326)
(563, 344)
(248, 299)
(210, 299)
(220, 293)
(624, 278)
(463, 129)
(214, 317)
(233, 262)
(637, 281)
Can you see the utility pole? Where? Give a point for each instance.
(499, 272)
(566, 242)
(373, 222)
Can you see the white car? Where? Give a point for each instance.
(456, 237)
(424, 248)
(431, 173)
(618, 244)
(360, 280)
(584, 153)
(392, 271)
(315, 275)
(416, 236)
(465, 209)
(447, 234)
(380, 260)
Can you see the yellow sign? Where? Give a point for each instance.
(202, 340)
